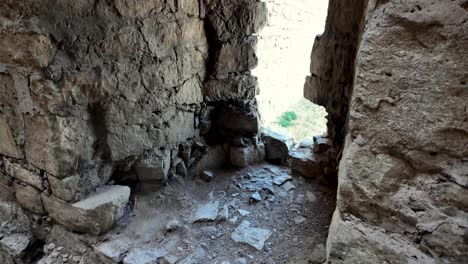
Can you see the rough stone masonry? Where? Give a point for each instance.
(94, 93)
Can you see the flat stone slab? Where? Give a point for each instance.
(95, 214)
(206, 212)
(144, 256)
(252, 236)
(281, 179)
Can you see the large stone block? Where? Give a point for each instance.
(26, 50)
(29, 197)
(276, 146)
(235, 121)
(237, 56)
(247, 19)
(8, 146)
(248, 155)
(239, 87)
(190, 92)
(23, 175)
(304, 162)
(154, 168)
(95, 214)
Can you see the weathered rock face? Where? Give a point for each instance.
(330, 83)
(403, 192)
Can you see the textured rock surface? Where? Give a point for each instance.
(276, 146)
(330, 83)
(97, 92)
(95, 214)
(403, 176)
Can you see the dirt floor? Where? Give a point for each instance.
(275, 218)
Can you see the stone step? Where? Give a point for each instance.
(95, 214)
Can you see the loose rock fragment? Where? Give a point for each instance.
(243, 212)
(252, 236)
(144, 256)
(207, 175)
(281, 179)
(255, 198)
(206, 212)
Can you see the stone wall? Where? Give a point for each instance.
(96, 90)
(403, 182)
(330, 83)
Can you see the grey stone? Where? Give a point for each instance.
(319, 255)
(198, 256)
(95, 214)
(23, 175)
(238, 56)
(144, 256)
(169, 259)
(153, 168)
(206, 212)
(213, 158)
(288, 186)
(245, 156)
(240, 261)
(321, 144)
(276, 146)
(113, 251)
(173, 224)
(223, 213)
(281, 179)
(8, 144)
(303, 161)
(207, 175)
(255, 197)
(252, 236)
(27, 50)
(243, 212)
(29, 197)
(16, 244)
(231, 88)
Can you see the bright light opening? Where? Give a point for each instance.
(283, 49)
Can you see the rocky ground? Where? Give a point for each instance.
(260, 214)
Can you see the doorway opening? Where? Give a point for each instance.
(283, 49)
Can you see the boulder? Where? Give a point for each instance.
(95, 214)
(276, 146)
(237, 87)
(304, 162)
